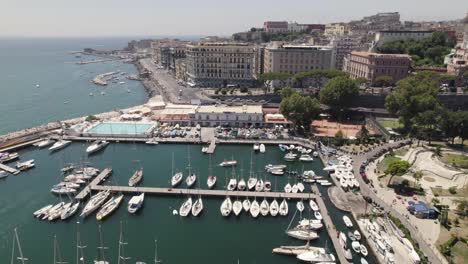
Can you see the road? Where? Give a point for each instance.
(432, 255)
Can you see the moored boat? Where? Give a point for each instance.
(135, 203)
(347, 221)
(302, 234)
(300, 206)
(7, 157)
(262, 148)
(284, 208)
(237, 207)
(246, 204)
(44, 143)
(186, 207)
(68, 212)
(109, 207)
(25, 165)
(211, 181)
(197, 207)
(228, 163)
(274, 208)
(232, 184)
(226, 207)
(318, 215)
(313, 205)
(176, 179)
(94, 203)
(264, 207)
(96, 146)
(251, 183)
(60, 145)
(136, 178)
(254, 209)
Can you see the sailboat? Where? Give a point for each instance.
(191, 178)
(237, 207)
(300, 206)
(226, 207)
(313, 205)
(300, 186)
(109, 207)
(211, 181)
(259, 186)
(122, 257)
(176, 178)
(17, 242)
(57, 251)
(241, 185)
(197, 206)
(232, 184)
(186, 207)
(96, 146)
(287, 188)
(246, 204)
(264, 207)
(79, 247)
(254, 209)
(284, 208)
(274, 208)
(252, 181)
(136, 178)
(101, 258)
(60, 144)
(94, 203)
(294, 188)
(68, 212)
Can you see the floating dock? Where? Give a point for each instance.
(87, 190)
(211, 147)
(9, 169)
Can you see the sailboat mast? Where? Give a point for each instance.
(156, 260)
(250, 172)
(55, 241)
(13, 250)
(19, 248)
(101, 247)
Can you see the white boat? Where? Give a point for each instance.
(152, 141)
(3, 174)
(197, 207)
(283, 147)
(237, 207)
(60, 144)
(300, 206)
(259, 186)
(317, 256)
(55, 214)
(256, 147)
(94, 203)
(176, 179)
(287, 188)
(190, 180)
(6, 157)
(44, 143)
(290, 156)
(318, 215)
(357, 235)
(26, 165)
(68, 212)
(246, 205)
(251, 183)
(325, 183)
(254, 209)
(204, 149)
(313, 205)
(284, 208)
(364, 261)
(186, 207)
(96, 146)
(342, 240)
(300, 187)
(62, 190)
(356, 246)
(264, 207)
(347, 221)
(226, 207)
(274, 208)
(267, 186)
(308, 174)
(232, 184)
(52, 211)
(211, 181)
(241, 185)
(136, 178)
(310, 224)
(315, 154)
(228, 163)
(302, 234)
(135, 203)
(329, 168)
(43, 210)
(271, 167)
(306, 158)
(294, 188)
(109, 207)
(363, 250)
(67, 168)
(262, 148)
(277, 172)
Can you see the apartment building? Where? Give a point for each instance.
(275, 26)
(385, 36)
(222, 115)
(335, 29)
(220, 64)
(343, 46)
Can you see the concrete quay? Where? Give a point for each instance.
(9, 169)
(87, 190)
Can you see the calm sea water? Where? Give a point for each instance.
(26, 62)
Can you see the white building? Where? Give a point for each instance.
(383, 37)
(234, 116)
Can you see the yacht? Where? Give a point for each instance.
(67, 168)
(211, 181)
(306, 158)
(6, 157)
(228, 163)
(271, 167)
(277, 172)
(55, 214)
(274, 208)
(186, 207)
(241, 185)
(68, 212)
(254, 209)
(53, 210)
(96, 146)
(363, 250)
(197, 207)
(135, 203)
(152, 141)
(267, 186)
(246, 204)
(259, 186)
(313, 205)
(109, 207)
(3, 174)
(316, 256)
(294, 188)
(136, 178)
(226, 207)
(284, 208)
(251, 183)
(287, 188)
(26, 165)
(342, 240)
(60, 144)
(62, 190)
(232, 184)
(356, 246)
(262, 148)
(190, 180)
(318, 215)
(347, 221)
(310, 224)
(42, 211)
(302, 234)
(357, 235)
(264, 207)
(94, 203)
(300, 187)
(290, 156)
(237, 207)
(300, 206)
(256, 147)
(176, 179)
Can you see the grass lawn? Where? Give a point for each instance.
(456, 160)
(444, 192)
(382, 166)
(460, 252)
(392, 123)
(401, 151)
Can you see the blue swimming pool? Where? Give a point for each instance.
(120, 128)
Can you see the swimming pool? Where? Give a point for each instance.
(117, 128)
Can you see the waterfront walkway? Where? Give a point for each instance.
(9, 169)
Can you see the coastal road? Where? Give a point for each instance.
(429, 251)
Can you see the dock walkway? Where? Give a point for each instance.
(9, 169)
(211, 147)
(104, 174)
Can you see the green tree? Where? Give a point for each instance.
(339, 138)
(287, 92)
(427, 124)
(462, 207)
(383, 81)
(299, 109)
(338, 93)
(363, 134)
(317, 76)
(417, 175)
(396, 168)
(267, 78)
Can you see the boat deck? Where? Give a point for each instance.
(87, 190)
(9, 169)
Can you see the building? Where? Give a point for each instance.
(465, 32)
(181, 69)
(383, 37)
(296, 27)
(293, 59)
(362, 64)
(220, 65)
(234, 116)
(457, 64)
(275, 26)
(335, 29)
(342, 46)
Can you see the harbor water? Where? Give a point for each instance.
(209, 238)
(64, 86)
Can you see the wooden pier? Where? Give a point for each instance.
(9, 169)
(211, 147)
(87, 190)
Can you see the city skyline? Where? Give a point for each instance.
(207, 17)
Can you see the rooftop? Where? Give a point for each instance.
(252, 109)
(380, 55)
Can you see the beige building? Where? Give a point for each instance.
(222, 115)
(220, 65)
(343, 45)
(335, 29)
(181, 69)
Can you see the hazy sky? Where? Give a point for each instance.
(197, 17)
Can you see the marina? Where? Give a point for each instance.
(8, 169)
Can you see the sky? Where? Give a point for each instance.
(68, 18)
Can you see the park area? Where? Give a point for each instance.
(327, 128)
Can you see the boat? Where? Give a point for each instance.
(308, 174)
(42, 211)
(55, 214)
(62, 190)
(226, 207)
(259, 186)
(347, 221)
(232, 184)
(290, 156)
(94, 202)
(287, 188)
(190, 180)
(26, 165)
(267, 186)
(325, 183)
(152, 141)
(351, 236)
(271, 167)
(251, 183)
(363, 250)
(274, 208)
(357, 235)
(60, 145)
(241, 185)
(186, 207)
(302, 234)
(204, 149)
(228, 163)
(317, 256)
(306, 158)
(300, 206)
(136, 178)
(356, 246)
(283, 147)
(364, 261)
(96, 146)
(300, 187)
(68, 212)
(313, 205)
(342, 240)
(246, 205)
(109, 207)
(264, 207)
(294, 188)
(67, 168)
(256, 147)
(237, 207)
(329, 168)
(135, 203)
(197, 207)
(211, 181)
(315, 154)
(277, 172)
(3, 174)
(254, 209)
(262, 148)
(52, 211)
(283, 209)
(318, 215)
(176, 179)
(6, 157)
(310, 224)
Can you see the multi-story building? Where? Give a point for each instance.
(457, 64)
(335, 29)
(297, 58)
(275, 26)
(385, 36)
(235, 116)
(342, 46)
(220, 64)
(181, 69)
(296, 27)
(363, 64)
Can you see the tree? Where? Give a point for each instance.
(417, 175)
(267, 78)
(397, 168)
(462, 207)
(361, 80)
(338, 93)
(299, 109)
(363, 134)
(383, 81)
(317, 76)
(427, 123)
(287, 92)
